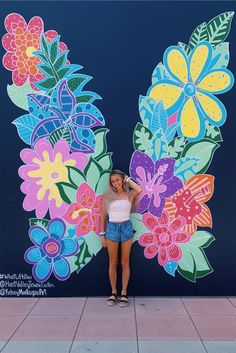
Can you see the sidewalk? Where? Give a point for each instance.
(148, 325)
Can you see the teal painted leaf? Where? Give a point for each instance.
(204, 151)
(25, 125)
(83, 257)
(18, 94)
(101, 144)
(218, 28)
(159, 73)
(93, 242)
(38, 222)
(186, 265)
(160, 145)
(171, 131)
(146, 106)
(92, 172)
(142, 139)
(159, 118)
(220, 56)
(62, 132)
(185, 48)
(184, 167)
(105, 161)
(138, 226)
(213, 133)
(198, 35)
(203, 266)
(176, 147)
(67, 192)
(101, 186)
(76, 176)
(201, 238)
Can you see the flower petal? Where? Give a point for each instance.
(146, 239)
(63, 148)
(69, 247)
(162, 257)
(85, 196)
(8, 61)
(42, 270)
(140, 165)
(202, 185)
(182, 237)
(143, 202)
(50, 35)
(14, 21)
(150, 251)
(176, 63)
(178, 223)
(150, 221)
(204, 219)
(192, 123)
(175, 253)
(172, 185)
(156, 211)
(165, 168)
(164, 217)
(213, 108)
(56, 228)
(18, 78)
(61, 268)
(38, 235)
(199, 60)
(217, 81)
(84, 226)
(44, 150)
(36, 24)
(55, 211)
(33, 255)
(8, 42)
(170, 93)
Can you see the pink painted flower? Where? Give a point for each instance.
(20, 42)
(86, 212)
(46, 166)
(163, 238)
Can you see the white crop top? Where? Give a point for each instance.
(119, 210)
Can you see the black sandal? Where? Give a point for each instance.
(112, 301)
(123, 302)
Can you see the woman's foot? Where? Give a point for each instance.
(123, 301)
(112, 299)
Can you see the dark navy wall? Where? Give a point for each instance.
(119, 44)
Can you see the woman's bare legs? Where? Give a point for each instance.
(113, 247)
(125, 254)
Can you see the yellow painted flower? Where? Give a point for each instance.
(190, 87)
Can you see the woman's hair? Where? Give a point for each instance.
(111, 191)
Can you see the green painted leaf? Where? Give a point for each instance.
(203, 266)
(92, 172)
(72, 262)
(62, 72)
(53, 51)
(176, 147)
(62, 132)
(45, 69)
(44, 43)
(184, 167)
(142, 139)
(101, 186)
(218, 28)
(75, 82)
(186, 265)
(220, 56)
(185, 47)
(204, 151)
(49, 83)
(198, 35)
(38, 222)
(83, 257)
(67, 192)
(76, 176)
(93, 242)
(136, 220)
(101, 144)
(213, 133)
(60, 61)
(105, 161)
(84, 98)
(18, 94)
(201, 238)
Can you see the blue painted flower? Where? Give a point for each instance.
(51, 248)
(60, 112)
(189, 89)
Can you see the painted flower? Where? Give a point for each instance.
(156, 179)
(49, 251)
(20, 41)
(190, 89)
(190, 202)
(60, 110)
(86, 211)
(163, 238)
(46, 166)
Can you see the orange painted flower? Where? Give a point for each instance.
(20, 42)
(189, 202)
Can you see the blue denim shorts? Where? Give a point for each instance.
(119, 231)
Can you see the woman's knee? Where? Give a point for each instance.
(113, 264)
(125, 264)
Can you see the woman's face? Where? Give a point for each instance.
(117, 182)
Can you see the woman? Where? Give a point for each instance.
(118, 201)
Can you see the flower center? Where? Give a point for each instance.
(52, 248)
(54, 175)
(164, 237)
(189, 89)
(29, 51)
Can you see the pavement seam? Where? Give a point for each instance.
(194, 325)
(136, 325)
(231, 302)
(20, 325)
(78, 325)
